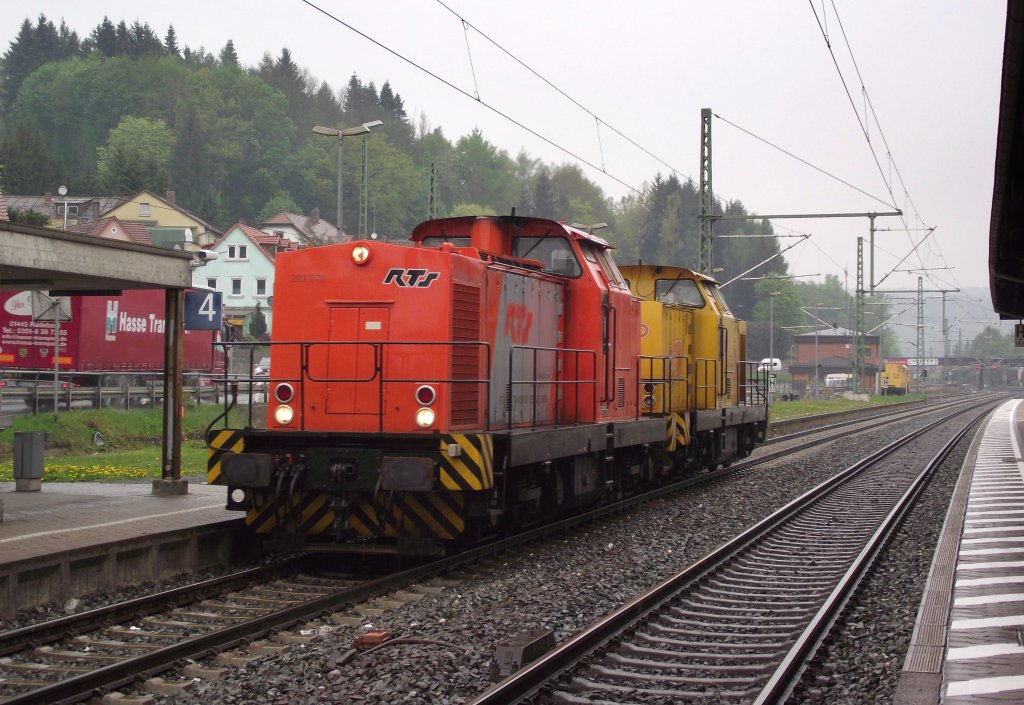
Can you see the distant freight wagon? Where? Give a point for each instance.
(111, 343)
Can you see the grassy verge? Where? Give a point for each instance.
(783, 410)
(131, 444)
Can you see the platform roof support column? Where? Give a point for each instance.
(170, 482)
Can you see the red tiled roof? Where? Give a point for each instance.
(136, 232)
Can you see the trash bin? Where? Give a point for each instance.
(28, 460)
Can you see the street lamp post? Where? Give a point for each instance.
(341, 135)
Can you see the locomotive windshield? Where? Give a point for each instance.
(554, 253)
(714, 293)
(679, 291)
(438, 241)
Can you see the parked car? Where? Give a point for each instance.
(770, 364)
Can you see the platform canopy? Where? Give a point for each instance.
(47, 259)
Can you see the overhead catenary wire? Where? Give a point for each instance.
(469, 95)
(862, 121)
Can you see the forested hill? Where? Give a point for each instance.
(116, 109)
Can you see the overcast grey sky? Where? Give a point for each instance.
(930, 69)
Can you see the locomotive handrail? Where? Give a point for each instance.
(702, 364)
(378, 372)
(556, 382)
(664, 385)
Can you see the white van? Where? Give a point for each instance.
(770, 364)
(839, 381)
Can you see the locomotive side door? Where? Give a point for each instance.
(353, 362)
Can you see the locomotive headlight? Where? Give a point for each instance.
(284, 414)
(425, 417)
(649, 401)
(360, 254)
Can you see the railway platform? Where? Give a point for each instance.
(968, 640)
(76, 538)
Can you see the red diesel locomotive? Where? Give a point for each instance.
(486, 378)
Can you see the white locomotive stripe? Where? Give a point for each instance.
(1014, 620)
(983, 651)
(980, 686)
(989, 599)
(994, 539)
(992, 520)
(996, 512)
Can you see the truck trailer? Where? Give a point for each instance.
(111, 344)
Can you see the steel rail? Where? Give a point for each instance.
(530, 680)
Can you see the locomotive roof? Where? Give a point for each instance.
(519, 225)
(662, 270)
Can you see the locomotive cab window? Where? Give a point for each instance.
(714, 293)
(679, 291)
(554, 253)
(438, 241)
(600, 257)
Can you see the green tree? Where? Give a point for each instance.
(103, 39)
(281, 201)
(28, 165)
(485, 174)
(137, 156)
(228, 55)
(33, 47)
(27, 216)
(171, 43)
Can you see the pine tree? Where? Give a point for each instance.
(228, 55)
(171, 43)
(103, 38)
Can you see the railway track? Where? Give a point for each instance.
(69, 659)
(741, 624)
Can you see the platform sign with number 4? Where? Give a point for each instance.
(203, 310)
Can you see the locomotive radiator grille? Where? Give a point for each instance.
(218, 444)
(471, 466)
(465, 358)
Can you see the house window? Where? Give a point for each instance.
(144, 210)
(211, 282)
(238, 252)
(261, 287)
(72, 209)
(236, 286)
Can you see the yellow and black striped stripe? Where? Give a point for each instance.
(219, 443)
(678, 435)
(439, 515)
(473, 468)
(304, 513)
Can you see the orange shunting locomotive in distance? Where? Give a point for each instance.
(497, 373)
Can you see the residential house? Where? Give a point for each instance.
(303, 229)
(244, 273)
(80, 210)
(169, 224)
(111, 228)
